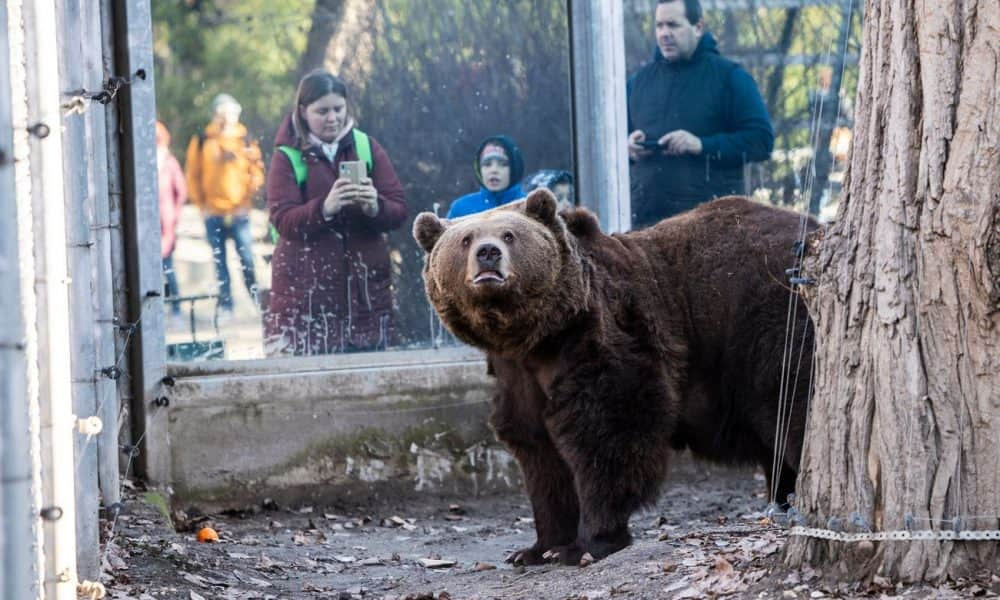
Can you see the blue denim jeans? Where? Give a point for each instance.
(237, 227)
(171, 289)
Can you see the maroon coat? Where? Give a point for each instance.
(330, 280)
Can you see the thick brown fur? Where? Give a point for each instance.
(612, 351)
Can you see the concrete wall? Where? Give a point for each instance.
(334, 429)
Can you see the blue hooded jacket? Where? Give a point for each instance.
(485, 199)
(715, 99)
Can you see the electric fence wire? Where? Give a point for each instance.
(788, 385)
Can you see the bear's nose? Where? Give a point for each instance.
(488, 255)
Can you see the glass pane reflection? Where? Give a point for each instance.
(803, 57)
(428, 90)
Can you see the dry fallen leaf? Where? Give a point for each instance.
(435, 563)
(723, 566)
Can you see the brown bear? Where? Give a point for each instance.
(612, 351)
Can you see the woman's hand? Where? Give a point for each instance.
(367, 197)
(341, 194)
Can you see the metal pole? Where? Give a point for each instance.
(101, 228)
(52, 283)
(600, 125)
(19, 567)
(91, 327)
(111, 240)
(140, 209)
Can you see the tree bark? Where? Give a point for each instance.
(327, 16)
(906, 410)
(342, 40)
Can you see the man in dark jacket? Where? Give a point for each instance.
(695, 119)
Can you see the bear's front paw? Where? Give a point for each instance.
(527, 556)
(569, 555)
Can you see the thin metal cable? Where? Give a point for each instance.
(128, 467)
(791, 401)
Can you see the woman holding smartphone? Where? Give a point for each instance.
(330, 273)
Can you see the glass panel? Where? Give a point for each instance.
(428, 81)
(803, 58)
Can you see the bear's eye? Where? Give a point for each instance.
(466, 241)
(508, 237)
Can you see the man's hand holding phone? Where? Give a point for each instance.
(639, 147)
(681, 142)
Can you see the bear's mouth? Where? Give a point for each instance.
(488, 276)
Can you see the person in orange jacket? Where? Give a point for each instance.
(224, 169)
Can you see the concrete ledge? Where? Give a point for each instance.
(366, 425)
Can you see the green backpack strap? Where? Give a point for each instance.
(298, 165)
(364, 147)
(301, 170)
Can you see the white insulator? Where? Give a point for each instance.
(90, 425)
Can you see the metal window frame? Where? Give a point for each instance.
(601, 165)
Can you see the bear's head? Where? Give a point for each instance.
(505, 279)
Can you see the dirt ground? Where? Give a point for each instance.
(705, 538)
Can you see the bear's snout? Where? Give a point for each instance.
(488, 259)
(488, 256)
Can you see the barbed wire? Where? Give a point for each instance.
(80, 100)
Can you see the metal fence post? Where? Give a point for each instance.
(600, 126)
(19, 551)
(52, 297)
(140, 209)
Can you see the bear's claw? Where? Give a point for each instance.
(526, 556)
(568, 555)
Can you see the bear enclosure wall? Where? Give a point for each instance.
(903, 426)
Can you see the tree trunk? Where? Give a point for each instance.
(342, 40)
(327, 16)
(906, 411)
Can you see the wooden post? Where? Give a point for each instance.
(600, 126)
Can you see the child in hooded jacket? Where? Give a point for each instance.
(498, 169)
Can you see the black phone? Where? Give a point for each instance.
(650, 145)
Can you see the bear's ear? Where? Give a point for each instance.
(541, 206)
(427, 228)
(581, 222)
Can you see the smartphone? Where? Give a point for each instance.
(650, 144)
(353, 170)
